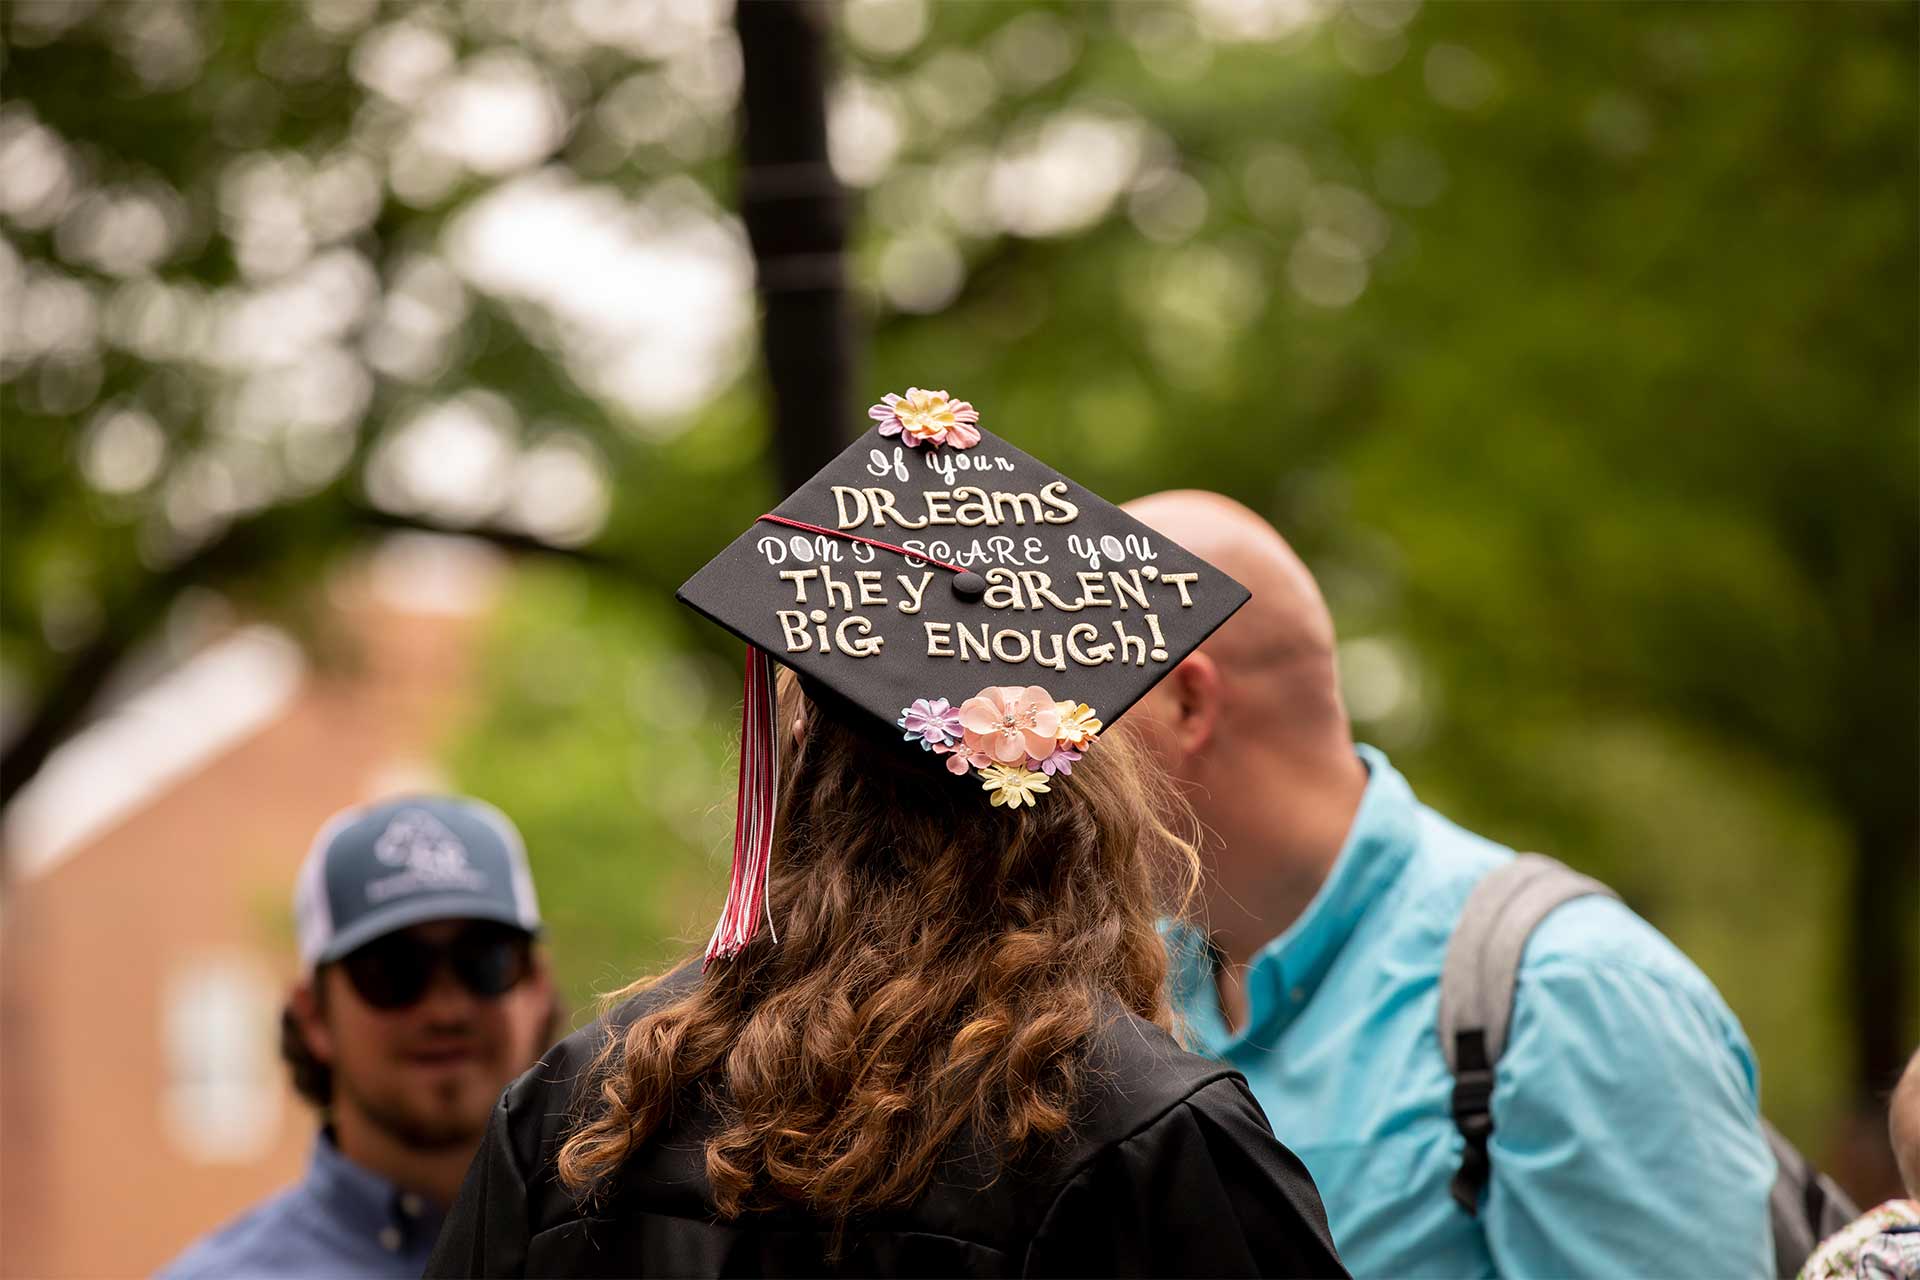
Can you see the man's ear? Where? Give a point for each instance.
(1195, 689)
(311, 1020)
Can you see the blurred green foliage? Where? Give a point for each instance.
(1573, 346)
(601, 731)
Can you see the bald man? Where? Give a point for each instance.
(1626, 1134)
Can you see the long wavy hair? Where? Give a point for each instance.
(942, 967)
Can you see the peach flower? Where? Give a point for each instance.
(929, 417)
(1078, 725)
(1011, 724)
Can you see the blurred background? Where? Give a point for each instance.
(373, 372)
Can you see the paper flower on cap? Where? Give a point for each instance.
(1018, 739)
(1013, 786)
(927, 417)
(1077, 723)
(963, 758)
(1010, 723)
(932, 723)
(1060, 762)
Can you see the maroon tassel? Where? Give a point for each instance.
(752, 815)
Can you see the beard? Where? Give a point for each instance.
(451, 1119)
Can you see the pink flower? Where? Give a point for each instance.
(1010, 723)
(961, 759)
(927, 417)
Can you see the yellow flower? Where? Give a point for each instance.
(1077, 725)
(1013, 786)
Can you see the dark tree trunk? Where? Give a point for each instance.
(72, 693)
(1870, 763)
(64, 707)
(796, 214)
(1880, 966)
(1883, 904)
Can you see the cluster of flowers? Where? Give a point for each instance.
(927, 417)
(1017, 738)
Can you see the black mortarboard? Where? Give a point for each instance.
(938, 579)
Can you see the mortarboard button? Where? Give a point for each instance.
(969, 585)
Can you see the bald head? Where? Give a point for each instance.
(1252, 727)
(1276, 654)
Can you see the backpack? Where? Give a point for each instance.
(1476, 1003)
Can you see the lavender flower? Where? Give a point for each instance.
(931, 723)
(1060, 762)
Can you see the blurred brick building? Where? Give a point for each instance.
(146, 941)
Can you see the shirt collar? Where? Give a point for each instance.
(1287, 971)
(368, 1204)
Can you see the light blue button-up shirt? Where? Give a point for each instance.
(341, 1220)
(1626, 1134)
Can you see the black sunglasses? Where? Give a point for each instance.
(395, 971)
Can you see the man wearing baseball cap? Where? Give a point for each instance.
(421, 997)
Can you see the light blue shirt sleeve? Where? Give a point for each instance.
(1626, 1135)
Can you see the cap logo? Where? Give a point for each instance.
(432, 856)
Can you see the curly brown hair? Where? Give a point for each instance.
(940, 970)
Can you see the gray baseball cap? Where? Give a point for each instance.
(406, 861)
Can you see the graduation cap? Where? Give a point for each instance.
(967, 596)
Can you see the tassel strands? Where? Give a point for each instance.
(753, 815)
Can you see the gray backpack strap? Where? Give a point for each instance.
(1476, 992)
(1476, 1006)
(1806, 1206)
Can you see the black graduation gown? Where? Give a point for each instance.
(1171, 1171)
